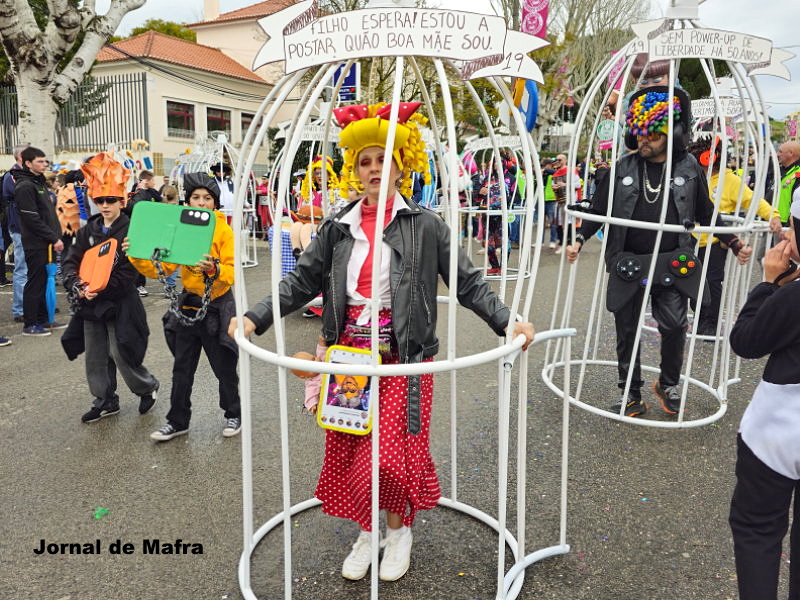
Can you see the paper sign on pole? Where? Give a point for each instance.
(706, 108)
(503, 141)
(661, 41)
(534, 17)
(481, 44)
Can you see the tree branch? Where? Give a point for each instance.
(21, 36)
(87, 12)
(62, 29)
(97, 34)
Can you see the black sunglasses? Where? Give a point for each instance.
(100, 201)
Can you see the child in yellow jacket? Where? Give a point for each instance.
(185, 340)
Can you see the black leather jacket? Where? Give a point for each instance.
(688, 192)
(420, 246)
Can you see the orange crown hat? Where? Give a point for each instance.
(105, 177)
(368, 125)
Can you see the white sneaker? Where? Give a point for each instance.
(552, 245)
(357, 563)
(167, 432)
(396, 554)
(558, 250)
(232, 427)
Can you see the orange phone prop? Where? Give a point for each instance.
(96, 265)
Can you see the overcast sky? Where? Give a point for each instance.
(772, 19)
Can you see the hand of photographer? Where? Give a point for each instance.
(776, 261)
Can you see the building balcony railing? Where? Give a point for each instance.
(180, 133)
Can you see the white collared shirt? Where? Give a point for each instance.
(359, 255)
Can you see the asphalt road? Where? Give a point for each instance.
(647, 509)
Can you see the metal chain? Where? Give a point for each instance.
(174, 298)
(74, 297)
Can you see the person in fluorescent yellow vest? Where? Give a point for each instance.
(717, 253)
(789, 159)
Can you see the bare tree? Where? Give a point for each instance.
(35, 54)
(582, 33)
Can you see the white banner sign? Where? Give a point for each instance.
(481, 43)
(313, 133)
(503, 141)
(706, 108)
(661, 41)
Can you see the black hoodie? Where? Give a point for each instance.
(37, 213)
(118, 302)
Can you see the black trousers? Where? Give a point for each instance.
(34, 305)
(669, 310)
(714, 277)
(188, 343)
(759, 520)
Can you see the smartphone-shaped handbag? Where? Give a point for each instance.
(345, 402)
(96, 265)
(184, 234)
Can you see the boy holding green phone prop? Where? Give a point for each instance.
(199, 319)
(109, 324)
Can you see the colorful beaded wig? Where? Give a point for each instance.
(364, 126)
(308, 182)
(649, 113)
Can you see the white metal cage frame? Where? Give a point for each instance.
(520, 296)
(723, 368)
(210, 151)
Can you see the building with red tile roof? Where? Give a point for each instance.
(254, 11)
(164, 48)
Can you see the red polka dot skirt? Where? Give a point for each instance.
(407, 475)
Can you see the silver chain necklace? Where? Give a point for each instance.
(649, 188)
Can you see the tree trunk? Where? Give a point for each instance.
(37, 112)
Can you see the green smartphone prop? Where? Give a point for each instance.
(182, 233)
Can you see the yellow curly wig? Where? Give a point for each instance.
(306, 186)
(409, 149)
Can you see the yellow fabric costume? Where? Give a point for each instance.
(730, 194)
(192, 277)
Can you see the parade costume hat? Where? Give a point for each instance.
(703, 151)
(647, 70)
(649, 113)
(194, 181)
(308, 182)
(368, 125)
(105, 177)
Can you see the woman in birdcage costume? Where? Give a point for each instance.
(414, 254)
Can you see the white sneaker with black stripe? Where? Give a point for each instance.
(232, 427)
(167, 432)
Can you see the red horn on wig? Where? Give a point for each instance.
(405, 111)
(347, 114)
